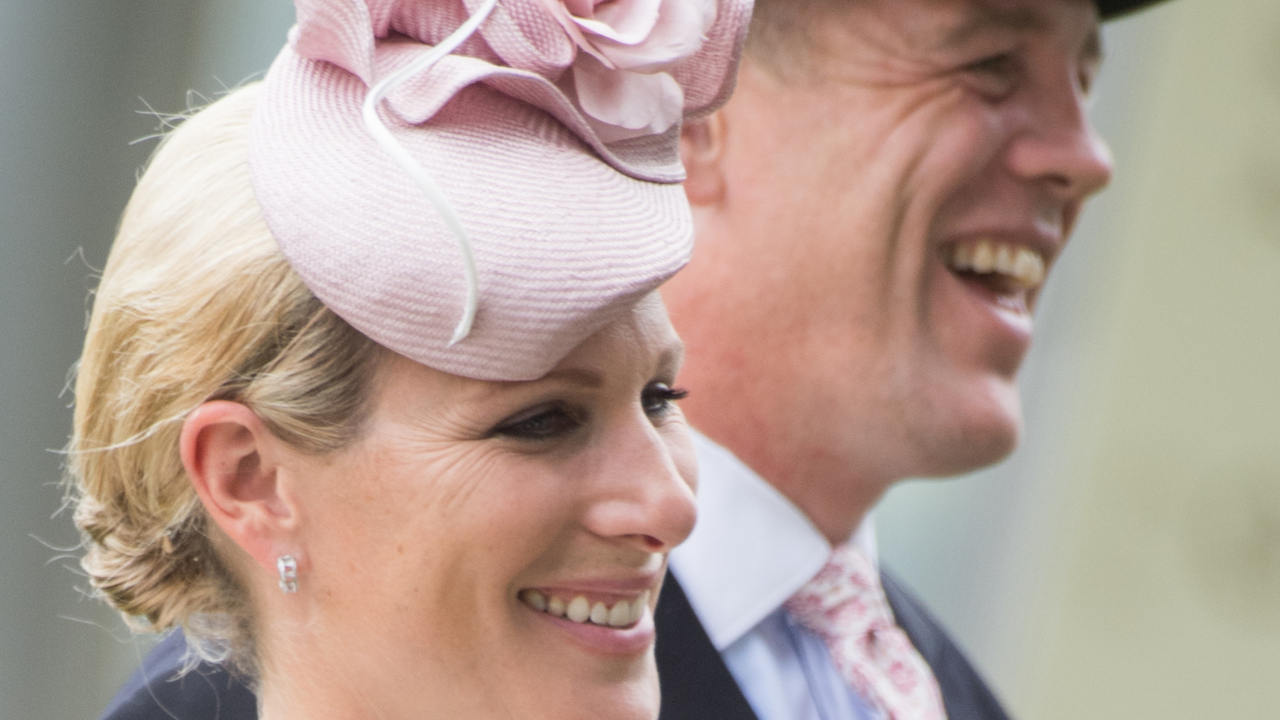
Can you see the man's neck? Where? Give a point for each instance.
(829, 491)
(835, 508)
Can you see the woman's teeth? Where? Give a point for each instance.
(580, 610)
(1020, 264)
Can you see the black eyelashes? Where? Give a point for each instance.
(557, 420)
(658, 399)
(547, 422)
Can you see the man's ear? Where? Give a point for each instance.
(232, 460)
(702, 150)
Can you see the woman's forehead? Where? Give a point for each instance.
(642, 336)
(635, 347)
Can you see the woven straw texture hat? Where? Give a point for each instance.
(552, 132)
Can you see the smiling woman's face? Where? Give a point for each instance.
(437, 550)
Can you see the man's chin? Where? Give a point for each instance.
(981, 436)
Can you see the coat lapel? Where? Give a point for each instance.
(696, 684)
(964, 694)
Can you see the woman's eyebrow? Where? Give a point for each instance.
(577, 376)
(672, 357)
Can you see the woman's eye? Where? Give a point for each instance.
(659, 398)
(547, 423)
(995, 76)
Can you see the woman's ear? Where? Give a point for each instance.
(702, 150)
(233, 462)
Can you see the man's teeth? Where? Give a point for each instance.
(985, 256)
(580, 610)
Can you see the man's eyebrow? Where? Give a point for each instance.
(1015, 19)
(1092, 49)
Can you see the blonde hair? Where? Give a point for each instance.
(196, 303)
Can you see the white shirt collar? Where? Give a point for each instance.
(751, 549)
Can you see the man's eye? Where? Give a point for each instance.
(658, 399)
(1087, 76)
(545, 423)
(996, 76)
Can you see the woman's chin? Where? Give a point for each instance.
(635, 699)
(608, 688)
(582, 671)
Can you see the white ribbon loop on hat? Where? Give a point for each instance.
(419, 174)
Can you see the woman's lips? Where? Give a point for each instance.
(602, 629)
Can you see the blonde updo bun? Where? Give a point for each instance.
(196, 303)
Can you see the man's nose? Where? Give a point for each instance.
(645, 491)
(1059, 148)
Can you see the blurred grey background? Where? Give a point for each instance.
(1124, 563)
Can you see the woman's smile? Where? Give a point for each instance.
(588, 608)
(602, 624)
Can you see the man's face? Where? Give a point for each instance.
(835, 319)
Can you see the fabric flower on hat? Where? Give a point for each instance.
(625, 48)
(613, 56)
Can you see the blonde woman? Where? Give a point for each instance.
(376, 402)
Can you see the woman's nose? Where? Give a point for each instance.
(645, 486)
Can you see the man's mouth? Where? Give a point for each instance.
(1003, 268)
(620, 613)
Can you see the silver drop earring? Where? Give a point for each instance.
(288, 568)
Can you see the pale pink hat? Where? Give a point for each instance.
(552, 132)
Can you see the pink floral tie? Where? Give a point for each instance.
(845, 605)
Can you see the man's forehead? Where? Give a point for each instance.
(957, 23)
(852, 38)
(979, 17)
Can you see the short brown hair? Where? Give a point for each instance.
(781, 38)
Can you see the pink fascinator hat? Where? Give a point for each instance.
(480, 185)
